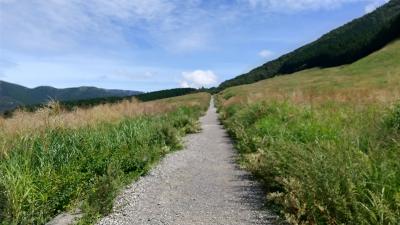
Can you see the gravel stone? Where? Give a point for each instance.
(199, 185)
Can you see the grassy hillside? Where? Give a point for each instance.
(325, 142)
(13, 95)
(344, 45)
(376, 76)
(53, 160)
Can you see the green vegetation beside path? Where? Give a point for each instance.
(325, 142)
(57, 168)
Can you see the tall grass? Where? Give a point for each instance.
(53, 115)
(325, 143)
(80, 159)
(330, 165)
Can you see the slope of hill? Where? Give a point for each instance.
(371, 76)
(13, 95)
(344, 45)
(325, 142)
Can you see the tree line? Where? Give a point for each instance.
(87, 103)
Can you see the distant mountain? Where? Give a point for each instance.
(13, 95)
(344, 45)
(87, 103)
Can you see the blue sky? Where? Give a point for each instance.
(156, 44)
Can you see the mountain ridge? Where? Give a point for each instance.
(14, 95)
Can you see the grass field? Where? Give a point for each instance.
(55, 160)
(325, 142)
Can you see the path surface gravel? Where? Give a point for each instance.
(198, 185)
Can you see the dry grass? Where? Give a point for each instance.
(375, 79)
(53, 116)
(311, 97)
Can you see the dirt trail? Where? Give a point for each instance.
(198, 185)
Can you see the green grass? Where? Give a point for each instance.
(58, 169)
(324, 166)
(324, 142)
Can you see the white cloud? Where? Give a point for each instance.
(60, 25)
(185, 84)
(175, 25)
(129, 9)
(193, 39)
(198, 79)
(57, 26)
(266, 54)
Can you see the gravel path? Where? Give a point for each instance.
(198, 185)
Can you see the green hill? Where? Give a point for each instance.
(372, 76)
(13, 95)
(344, 45)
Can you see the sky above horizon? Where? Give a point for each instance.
(150, 45)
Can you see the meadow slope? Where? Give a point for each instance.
(54, 160)
(325, 142)
(346, 44)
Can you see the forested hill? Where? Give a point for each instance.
(155, 95)
(343, 45)
(13, 95)
(87, 103)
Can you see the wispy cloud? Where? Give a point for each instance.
(301, 5)
(62, 25)
(191, 39)
(266, 53)
(175, 25)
